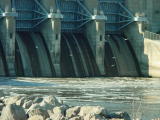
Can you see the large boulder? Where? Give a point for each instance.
(57, 117)
(12, 100)
(59, 113)
(76, 118)
(60, 110)
(13, 112)
(40, 112)
(52, 100)
(36, 117)
(73, 112)
(38, 100)
(34, 106)
(2, 93)
(119, 115)
(94, 117)
(1, 106)
(46, 105)
(27, 104)
(21, 101)
(93, 110)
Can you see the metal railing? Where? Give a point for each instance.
(151, 35)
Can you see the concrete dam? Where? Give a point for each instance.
(79, 38)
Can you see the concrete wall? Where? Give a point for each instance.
(51, 30)
(152, 50)
(135, 32)
(7, 33)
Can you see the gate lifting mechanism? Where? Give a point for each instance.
(118, 16)
(73, 14)
(76, 15)
(31, 14)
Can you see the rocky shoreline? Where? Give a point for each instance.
(39, 107)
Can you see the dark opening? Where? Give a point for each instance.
(56, 36)
(101, 37)
(11, 35)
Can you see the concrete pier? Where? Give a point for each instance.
(51, 31)
(7, 33)
(95, 32)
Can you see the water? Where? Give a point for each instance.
(138, 96)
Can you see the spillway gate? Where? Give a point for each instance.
(63, 37)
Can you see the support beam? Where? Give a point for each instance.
(95, 32)
(51, 30)
(7, 32)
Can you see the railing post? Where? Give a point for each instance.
(7, 33)
(95, 32)
(51, 30)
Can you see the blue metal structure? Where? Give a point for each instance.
(31, 14)
(118, 16)
(75, 14)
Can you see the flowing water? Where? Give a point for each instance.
(139, 97)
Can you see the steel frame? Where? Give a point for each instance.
(30, 14)
(75, 15)
(118, 15)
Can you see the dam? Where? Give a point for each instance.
(79, 38)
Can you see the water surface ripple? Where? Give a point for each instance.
(138, 96)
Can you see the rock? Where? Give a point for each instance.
(13, 112)
(93, 117)
(59, 113)
(38, 100)
(1, 106)
(96, 110)
(46, 105)
(76, 118)
(36, 117)
(52, 100)
(21, 101)
(35, 106)
(12, 100)
(2, 93)
(72, 112)
(40, 112)
(60, 110)
(48, 119)
(57, 117)
(27, 104)
(119, 115)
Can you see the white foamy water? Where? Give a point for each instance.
(138, 96)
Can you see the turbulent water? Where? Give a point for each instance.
(138, 96)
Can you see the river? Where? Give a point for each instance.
(140, 97)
